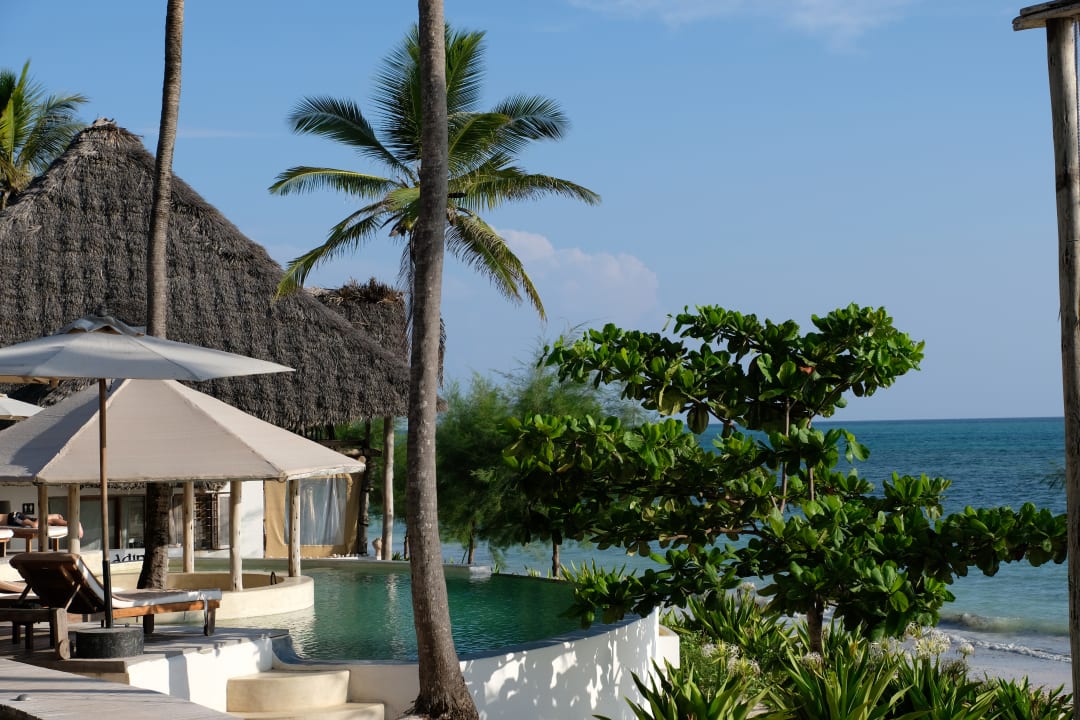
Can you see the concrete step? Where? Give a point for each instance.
(285, 692)
(348, 711)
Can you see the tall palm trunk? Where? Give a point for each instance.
(443, 693)
(155, 568)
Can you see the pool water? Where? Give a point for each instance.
(363, 611)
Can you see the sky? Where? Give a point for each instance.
(776, 157)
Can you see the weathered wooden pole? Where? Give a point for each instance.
(189, 527)
(1059, 18)
(293, 492)
(43, 517)
(74, 518)
(388, 490)
(236, 569)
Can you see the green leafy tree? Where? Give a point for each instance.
(481, 169)
(881, 558)
(479, 497)
(34, 129)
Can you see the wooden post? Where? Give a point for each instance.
(74, 519)
(189, 527)
(388, 489)
(43, 517)
(294, 527)
(235, 563)
(1059, 18)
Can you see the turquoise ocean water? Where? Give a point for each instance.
(1022, 609)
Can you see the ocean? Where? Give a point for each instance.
(1022, 609)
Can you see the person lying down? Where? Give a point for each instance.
(18, 519)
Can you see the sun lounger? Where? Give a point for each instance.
(56, 534)
(62, 580)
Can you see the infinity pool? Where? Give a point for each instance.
(363, 611)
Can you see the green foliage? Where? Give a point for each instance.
(769, 501)
(35, 129)
(738, 646)
(850, 685)
(940, 691)
(1017, 700)
(480, 496)
(483, 173)
(673, 694)
(736, 619)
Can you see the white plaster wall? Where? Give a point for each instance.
(579, 677)
(202, 677)
(576, 677)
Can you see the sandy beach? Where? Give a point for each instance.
(997, 663)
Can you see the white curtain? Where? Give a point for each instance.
(322, 511)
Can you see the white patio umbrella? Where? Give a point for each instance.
(102, 347)
(12, 409)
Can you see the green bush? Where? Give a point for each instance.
(1017, 700)
(673, 694)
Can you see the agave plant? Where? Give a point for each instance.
(851, 684)
(1017, 700)
(942, 691)
(672, 694)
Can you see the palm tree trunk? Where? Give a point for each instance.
(155, 567)
(443, 693)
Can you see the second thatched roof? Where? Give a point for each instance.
(75, 242)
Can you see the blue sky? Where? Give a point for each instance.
(778, 157)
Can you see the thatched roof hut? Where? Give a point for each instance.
(75, 242)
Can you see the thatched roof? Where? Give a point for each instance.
(375, 308)
(75, 242)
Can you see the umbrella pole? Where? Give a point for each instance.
(106, 575)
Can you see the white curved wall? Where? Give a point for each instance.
(573, 676)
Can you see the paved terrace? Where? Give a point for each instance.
(52, 691)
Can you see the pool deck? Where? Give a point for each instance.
(30, 691)
(56, 690)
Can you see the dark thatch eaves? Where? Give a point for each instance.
(374, 308)
(379, 311)
(75, 242)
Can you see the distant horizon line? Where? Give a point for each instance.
(931, 419)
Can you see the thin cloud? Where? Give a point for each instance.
(583, 286)
(839, 21)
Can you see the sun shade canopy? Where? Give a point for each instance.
(159, 431)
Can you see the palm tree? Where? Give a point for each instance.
(34, 129)
(481, 173)
(155, 568)
(443, 693)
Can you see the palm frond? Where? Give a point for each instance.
(397, 95)
(398, 87)
(533, 117)
(343, 122)
(349, 234)
(472, 141)
(492, 185)
(306, 179)
(475, 243)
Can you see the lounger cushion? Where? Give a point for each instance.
(62, 579)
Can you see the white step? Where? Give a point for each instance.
(285, 692)
(348, 711)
